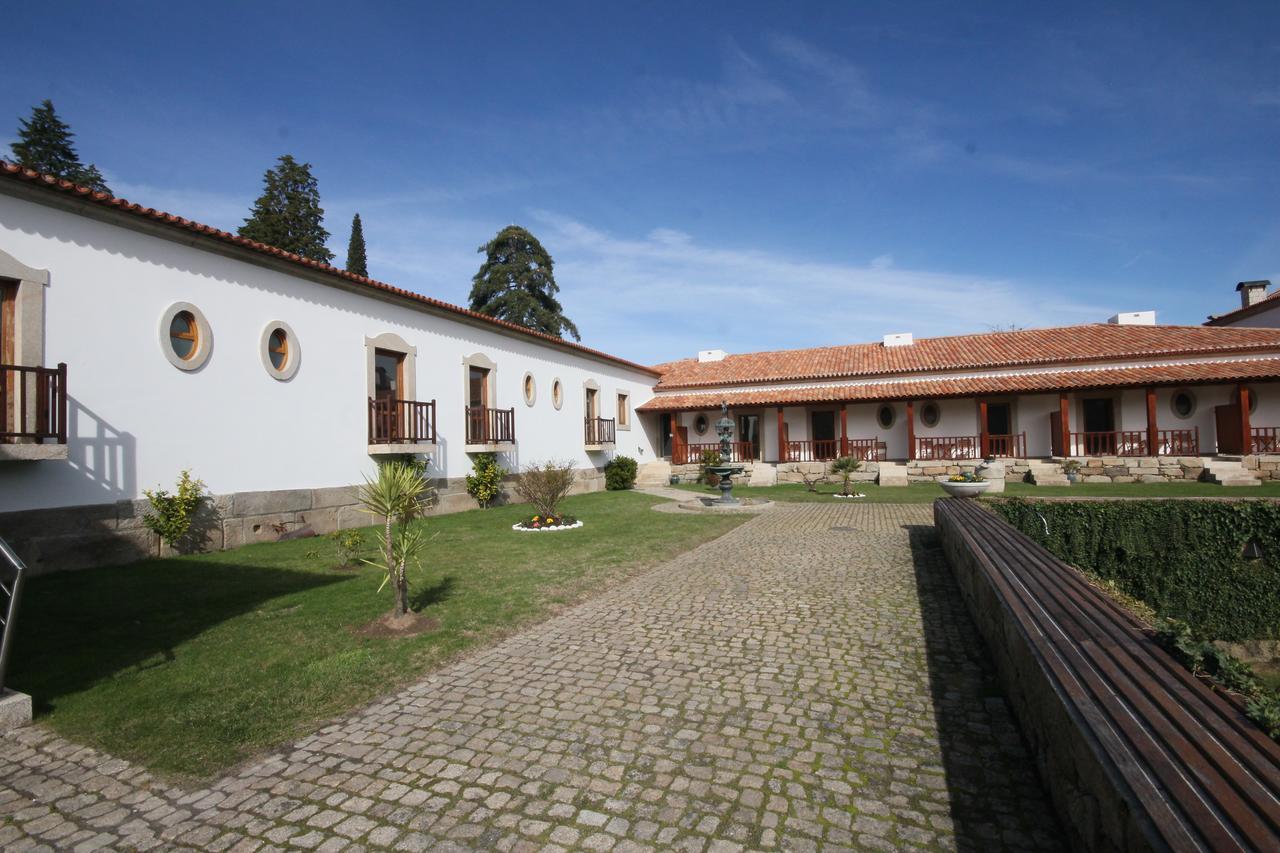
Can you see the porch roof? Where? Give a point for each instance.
(1008, 383)
(1096, 342)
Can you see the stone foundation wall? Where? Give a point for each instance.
(80, 537)
(1139, 469)
(1267, 467)
(924, 470)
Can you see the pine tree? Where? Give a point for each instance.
(44, 144)
(356, 261)
(516, 283)
(288, 214)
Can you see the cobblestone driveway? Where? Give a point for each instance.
(808, 681)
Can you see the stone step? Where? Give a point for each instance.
(1231, 482)
(892, 474)
(1047, 474)
(654, 474)
(763, 474)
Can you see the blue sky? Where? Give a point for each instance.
(716, 175)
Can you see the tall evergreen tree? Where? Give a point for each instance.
(44, 144)
(356, 260)
(288, 214)
(516, 283)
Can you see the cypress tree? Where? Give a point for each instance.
(516, 283)
(356, 261)
(288, 214)
(44, 144)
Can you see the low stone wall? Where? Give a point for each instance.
(1139, 469)
(1267, 467)
(925, 470)
(79, 537)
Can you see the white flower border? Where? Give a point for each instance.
(854, 495)
(519, 528)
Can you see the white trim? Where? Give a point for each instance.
(204, 337)
(293, 351)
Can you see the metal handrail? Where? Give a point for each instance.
(11, 589)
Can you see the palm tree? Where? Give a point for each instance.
(846, 467)
(397, 495)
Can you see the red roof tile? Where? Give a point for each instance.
(32, 178)
(1171, 374)
(1064, 345)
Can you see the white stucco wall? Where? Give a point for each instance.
(135, 420)
(1268, 317)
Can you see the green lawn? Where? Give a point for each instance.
(191, 664)
(926, 492)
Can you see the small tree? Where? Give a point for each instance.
(845, 467)
(172, 514)
(545, 485)
(516, 283)
(356, 261)
(288, 214)
(485, 481)
(620, 473)
(396, 496)
(811, 481)
(44, 144)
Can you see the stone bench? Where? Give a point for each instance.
(1136, 753)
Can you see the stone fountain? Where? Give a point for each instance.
(724, 428)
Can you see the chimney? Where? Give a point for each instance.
(1252, 292)
(901, 339)
(711, 355)
(1134, 318)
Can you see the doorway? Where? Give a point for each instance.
(749, 431)
(665, 427)
(8, 313)
(388, 385)
(1098, 415)
(1000, 419)
(824, 435)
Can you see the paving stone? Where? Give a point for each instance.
(809, 680)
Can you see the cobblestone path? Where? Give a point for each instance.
(810, 680)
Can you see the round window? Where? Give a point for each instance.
(1183, 403)
(530, 389)
(185, 337)
(1253, 399)
(557, 394)
(279, 350)
(885, 416)
(930, 415)
(700, 424)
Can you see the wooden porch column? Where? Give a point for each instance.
(844, 430)
(1153, 431)
(1246, 432)
(911, 429)
(982, 428)
(1064, 413)
(782, 437)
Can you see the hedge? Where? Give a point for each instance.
(1183, 558)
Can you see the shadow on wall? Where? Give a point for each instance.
(996, 797)
(136, 615)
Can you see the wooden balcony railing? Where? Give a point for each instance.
(691, 454)
(813, 451)
(599, 431)
(1007, 446)
(866, 449)
(490, 426)
(1169, 442)
(33, 403)
(1264, 440)
(402, 421)
(946, 447)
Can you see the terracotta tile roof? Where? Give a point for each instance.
(1073, 380)
(1029, 347)
(27, 176)
(1243, 311)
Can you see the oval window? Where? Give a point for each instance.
(1183, 403)
(885, 416)
(930, 415)
(1253, 399)
(184, 335)
(557, 394)
(530, 389)
(700, 424)
(279, 350)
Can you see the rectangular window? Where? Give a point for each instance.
(624, 410)
(388, 374)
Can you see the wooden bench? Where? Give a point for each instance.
(1136, 752)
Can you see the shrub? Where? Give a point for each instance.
(1183, 558)
(545, 485)
(845, 467)
(620, 473)
(710, 459)
(485, 481)
(348, 544)
(172, 514)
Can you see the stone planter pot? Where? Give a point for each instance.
(965, 490)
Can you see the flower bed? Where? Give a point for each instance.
(854, 495)
(543, 523)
